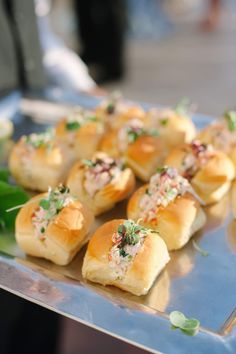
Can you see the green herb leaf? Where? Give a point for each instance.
(132, 136)
(230, 117)
(182, 107)
(110, 108)
(45, 204)
(93, 118)
(199, 249)
(88, 163)
(152, 132)
(4, 174)
(187, 326)
(164, 121)
(177, 319)
(72, 125)
(10, 196)
(161, 169)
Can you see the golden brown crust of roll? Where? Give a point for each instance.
(37, 169)
(175, 130)
(64, 236)
(143, 156)
(212, 180)
(82, 142)
(176, 222)
(118, 119)
(141, 273)
(106, 198)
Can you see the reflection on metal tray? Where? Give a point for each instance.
(201, 287)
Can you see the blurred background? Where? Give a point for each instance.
(160, 50)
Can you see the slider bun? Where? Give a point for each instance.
(64, 236)
(109, 144)
(143, 156)
(106, 198)
(82, 142)
(143, 270)
(128, 114)
(178, 129)
(213, 180)
(121, 116)
(176, 222)
(37, 169)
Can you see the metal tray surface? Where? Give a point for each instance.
(201, 287)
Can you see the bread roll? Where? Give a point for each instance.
(222, 135)
(116, 112)
(168, 206)
(141, 148)
(57, 237)
(209, 171)
(129, 260)
(100, 182)
(174, 129)
(79, 134)
(37, 162)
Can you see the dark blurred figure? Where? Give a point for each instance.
(26, 328)
(212, 19)
(101, 26)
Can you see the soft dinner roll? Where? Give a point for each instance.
(222, 135)
(126, 255)
(168, 206)
(37, 162)
(79, 134)
(100, 182)
(174, 128)
(209, 171)
(140, 147)
(53, 225)
(115, 112)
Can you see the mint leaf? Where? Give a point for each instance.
(72, 125)
(45, 204)
(10, 196)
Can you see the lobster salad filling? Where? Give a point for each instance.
(49, 208)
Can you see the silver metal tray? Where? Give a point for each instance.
(201, 287)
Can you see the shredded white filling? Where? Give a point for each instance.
(163, 188)
(104, 171)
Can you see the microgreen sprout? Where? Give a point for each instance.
(187, 326)
(230, 117)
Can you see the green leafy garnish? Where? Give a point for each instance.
(40, 140)
(10, 197)
(199, 249)
(230, 117)
(164, 121)
(187, 326)
(110, 108)
(45, 204)
(182, 107)
(161, 169)
(134, 134)
(93, 118)
(88, 163)
(73, 125)
(4, 174)
(130, 233)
